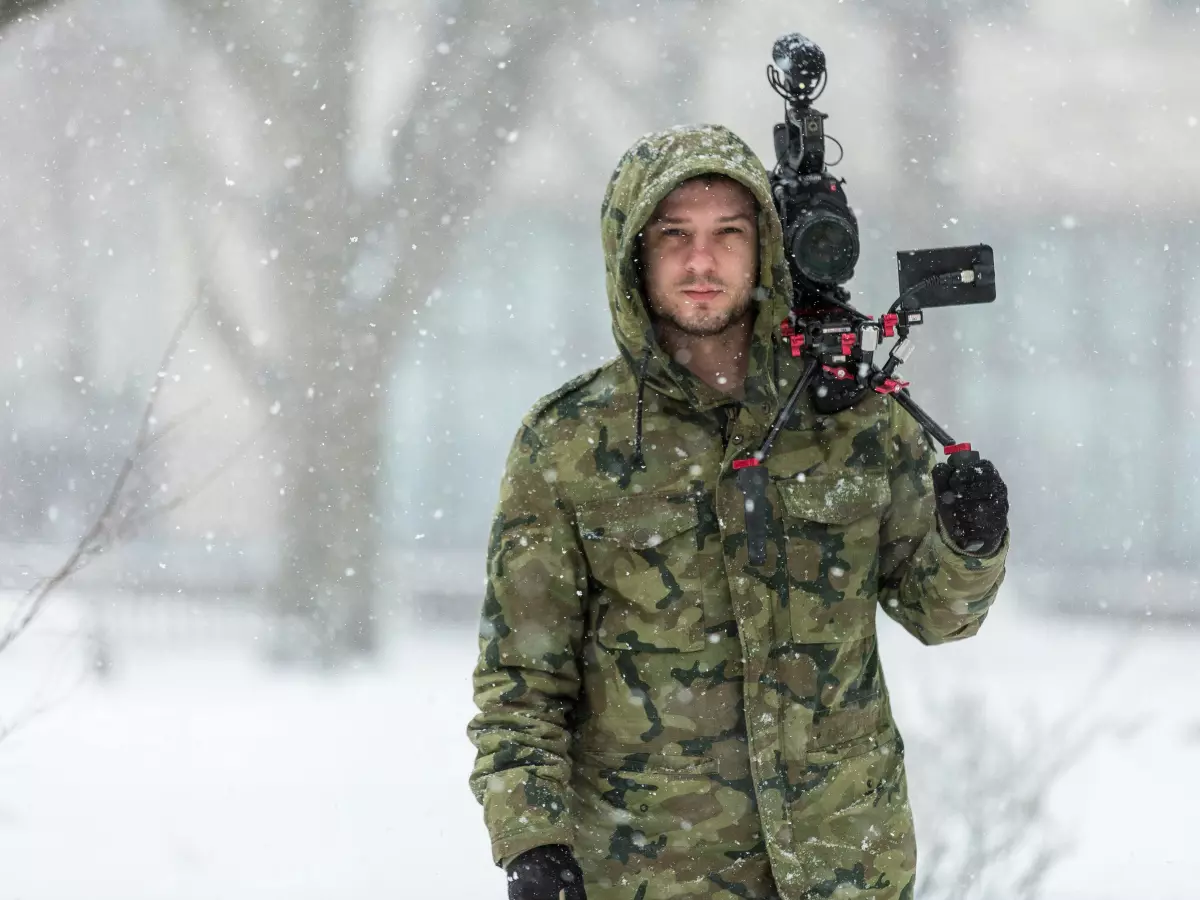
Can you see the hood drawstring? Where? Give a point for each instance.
(639, 461)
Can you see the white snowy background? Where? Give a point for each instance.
(201, 772)
(389, 210)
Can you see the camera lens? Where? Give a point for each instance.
(825, 248)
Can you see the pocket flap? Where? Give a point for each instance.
(835, 499)
(842, 730)
(639, 521)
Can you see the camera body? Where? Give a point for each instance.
(819, 227)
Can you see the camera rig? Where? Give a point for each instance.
(837, 342)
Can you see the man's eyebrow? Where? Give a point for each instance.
(671, 220)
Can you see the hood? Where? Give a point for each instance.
(648, 172)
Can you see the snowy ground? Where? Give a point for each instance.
(195, 771)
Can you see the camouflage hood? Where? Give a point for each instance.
(648, 172)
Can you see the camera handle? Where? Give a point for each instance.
(751, 474)
(959, 454)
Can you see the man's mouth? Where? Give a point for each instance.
(702, 293)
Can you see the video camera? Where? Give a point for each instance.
(837, 342)
(821, 237)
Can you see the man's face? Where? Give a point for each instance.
(700, 252)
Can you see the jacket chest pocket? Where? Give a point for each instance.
(644, 551)
(831, 527)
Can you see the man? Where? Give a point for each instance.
(659, 717)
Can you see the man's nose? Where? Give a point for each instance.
(700, 257)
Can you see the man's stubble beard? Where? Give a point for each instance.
(710, 327)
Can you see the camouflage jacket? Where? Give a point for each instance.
(693, 725)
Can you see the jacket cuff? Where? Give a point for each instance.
(508, 847)
(947, 551)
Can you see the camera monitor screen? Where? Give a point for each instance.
(979, 286)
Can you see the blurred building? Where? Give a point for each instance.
(1064, 134)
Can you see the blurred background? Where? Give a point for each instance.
(278, 281)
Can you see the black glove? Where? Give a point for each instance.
(972, 501)
(544, 873)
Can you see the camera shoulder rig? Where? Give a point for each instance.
(820, 230)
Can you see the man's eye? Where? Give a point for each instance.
(672, 232)
(732, 229)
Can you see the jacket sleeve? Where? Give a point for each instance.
(935, 590)
(527, 680)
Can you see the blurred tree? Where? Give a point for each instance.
(298, 64)
(351, 257)
(340, 332)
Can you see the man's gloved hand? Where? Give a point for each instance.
(545, 873)
(972, 501)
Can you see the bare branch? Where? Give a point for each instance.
(179, 420)
(245, 358)
(992, 834)
(106, 527)
(130, 524)
(8, 727)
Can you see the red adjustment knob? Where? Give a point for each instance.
(954, 448)
(848, 342)
(891, 385)
(797, 342)
(890, 321)
(745, 463)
